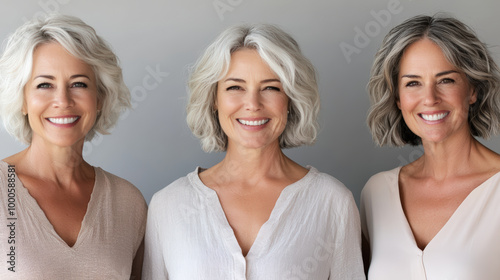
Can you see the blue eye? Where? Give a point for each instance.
(272, 88)
(79, 84)
(233, 88)
(44, 85)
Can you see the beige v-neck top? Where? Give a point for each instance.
(466, 248)
(111, 232)
(313, 232)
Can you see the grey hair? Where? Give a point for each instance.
(462, 49)
(283, 55)
(81, 41)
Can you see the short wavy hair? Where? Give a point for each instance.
(461, 47)
(81, 41)
(283, 55)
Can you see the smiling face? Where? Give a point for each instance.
(252, 106)
(434, 96)
(60, 97)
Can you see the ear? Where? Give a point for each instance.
(473, 97)
(398, 101)
(24, 110)
(99, 102)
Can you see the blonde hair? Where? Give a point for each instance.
(82, 42)
(282, 53)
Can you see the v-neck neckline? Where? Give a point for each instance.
(267, 227)
(42, 218)
(450, 220)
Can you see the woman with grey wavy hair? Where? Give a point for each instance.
(60, 84)
(434, 83)
(256, 214)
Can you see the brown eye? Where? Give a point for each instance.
(412, 84)
(447, 81)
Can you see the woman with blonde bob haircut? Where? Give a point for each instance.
(256, 214)
(60, 84)
(80, 41)
(435, 84)
(283, 56)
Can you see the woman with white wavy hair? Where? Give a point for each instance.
(60, 84)
(256, 214)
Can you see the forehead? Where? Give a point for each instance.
(51, 58)
(249, 62)
(422, 56)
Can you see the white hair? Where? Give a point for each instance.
(81, 41)
(283, 55)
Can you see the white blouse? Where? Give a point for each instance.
(466, 248)
(313, 232)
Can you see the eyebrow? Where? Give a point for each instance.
(411, 76)
(53, 78)
(243, 81)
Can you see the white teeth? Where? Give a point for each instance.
(63, 120)
(253, 123)
(434, 117)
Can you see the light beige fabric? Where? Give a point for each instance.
(466, 248)
(111, 232)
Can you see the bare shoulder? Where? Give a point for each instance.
(13, 159)
(17, 161)
(296, 172)
(207, 176)
(488, 161)
(411, 171)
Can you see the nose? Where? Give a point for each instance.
(431, 97)
(253, 100)
(63, 98)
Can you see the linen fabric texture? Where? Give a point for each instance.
(313, 232)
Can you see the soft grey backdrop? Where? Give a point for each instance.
(157, 41)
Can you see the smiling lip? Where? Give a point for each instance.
(434, 117)
(64, 121)
(254, 122)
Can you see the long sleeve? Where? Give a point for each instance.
(154, 264)
(349, 239)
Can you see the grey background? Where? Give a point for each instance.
(152, 145)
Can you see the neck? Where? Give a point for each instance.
(455, 157)
(57, 164)
(254, 164)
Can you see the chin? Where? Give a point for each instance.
(68, 143)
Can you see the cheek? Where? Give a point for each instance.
(281, 103)
(33, 103)
(406, 102)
